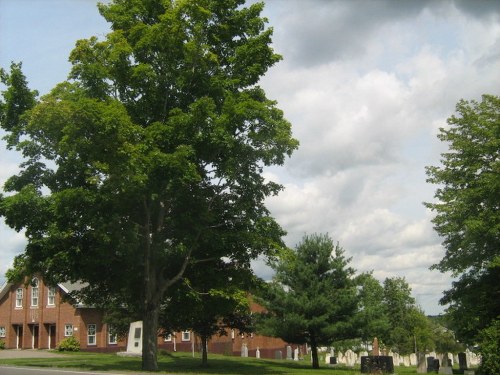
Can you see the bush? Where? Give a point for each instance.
(489, 347)
(2, 344)
(69, 344)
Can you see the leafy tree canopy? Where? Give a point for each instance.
(153, 150)
(468, 218)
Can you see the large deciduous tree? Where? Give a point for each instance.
(312, 298)
(467, 217)
(152, 152)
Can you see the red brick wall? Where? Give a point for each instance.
(36, 321)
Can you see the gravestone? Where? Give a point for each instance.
(377, 364)
(333, 360)
(134, 343)
(396, 359)
(350, 358)
(244, 350)
(375, 348)
(413, 359)
(451, 360)
(296, 354)
(462, 361)
(363, 353)
(257, 353)
(421, 364)
(406, 360)
(278, 354)
(445, 370)
(430, 364)
(289, 352)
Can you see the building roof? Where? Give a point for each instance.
(65, 287)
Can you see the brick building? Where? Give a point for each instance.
(232, 343)
(35, 316)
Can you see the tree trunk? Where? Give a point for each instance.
(314, 353)
(150, 338)
(204, 356)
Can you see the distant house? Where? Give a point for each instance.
(233, 343)
(36, 316)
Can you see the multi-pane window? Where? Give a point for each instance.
(19, 297)
(112, 336)
(186, 336)
(51, 296)
(2, 332)
(167, 338)
(68, 330)
(34, 292)
(91, 334)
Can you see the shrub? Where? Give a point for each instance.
(2, 344)
(69, 344)
(489, 347)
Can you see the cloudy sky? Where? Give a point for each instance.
(366, 86)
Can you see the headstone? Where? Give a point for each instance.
(375, 348)
(361, 354)
(244, 350)
(413, 359)
(257, 353)
(406, 360)
(377, 364)
(278, 354)
(396, 358)
(474, 359)
(333, 360)
(327, 358)
(289, 352)
(445, 370)
(296, 354)
(450, 359)
(462, 361)
(340, 358)
(134, 342)
(350, 358)
(430, 364)
(421, 363)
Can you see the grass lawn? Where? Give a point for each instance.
(184, 363)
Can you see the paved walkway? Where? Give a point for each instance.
(28, 353)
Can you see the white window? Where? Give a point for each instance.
(2, 332)
(19, 297)
(51, 296)
(68, 330)
(167, 338)
(112, 337)
(186, 336)
(91, 334)
(34, 292)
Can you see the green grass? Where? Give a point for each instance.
(184, 363)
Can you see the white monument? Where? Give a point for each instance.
(134, 343)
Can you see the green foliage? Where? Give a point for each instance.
(467, 214)
(2, 344)
(410, 330)
(69, 344)
(372, 318)
(152, 152)
(211, 300)
(489, 348)
(312, 297)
